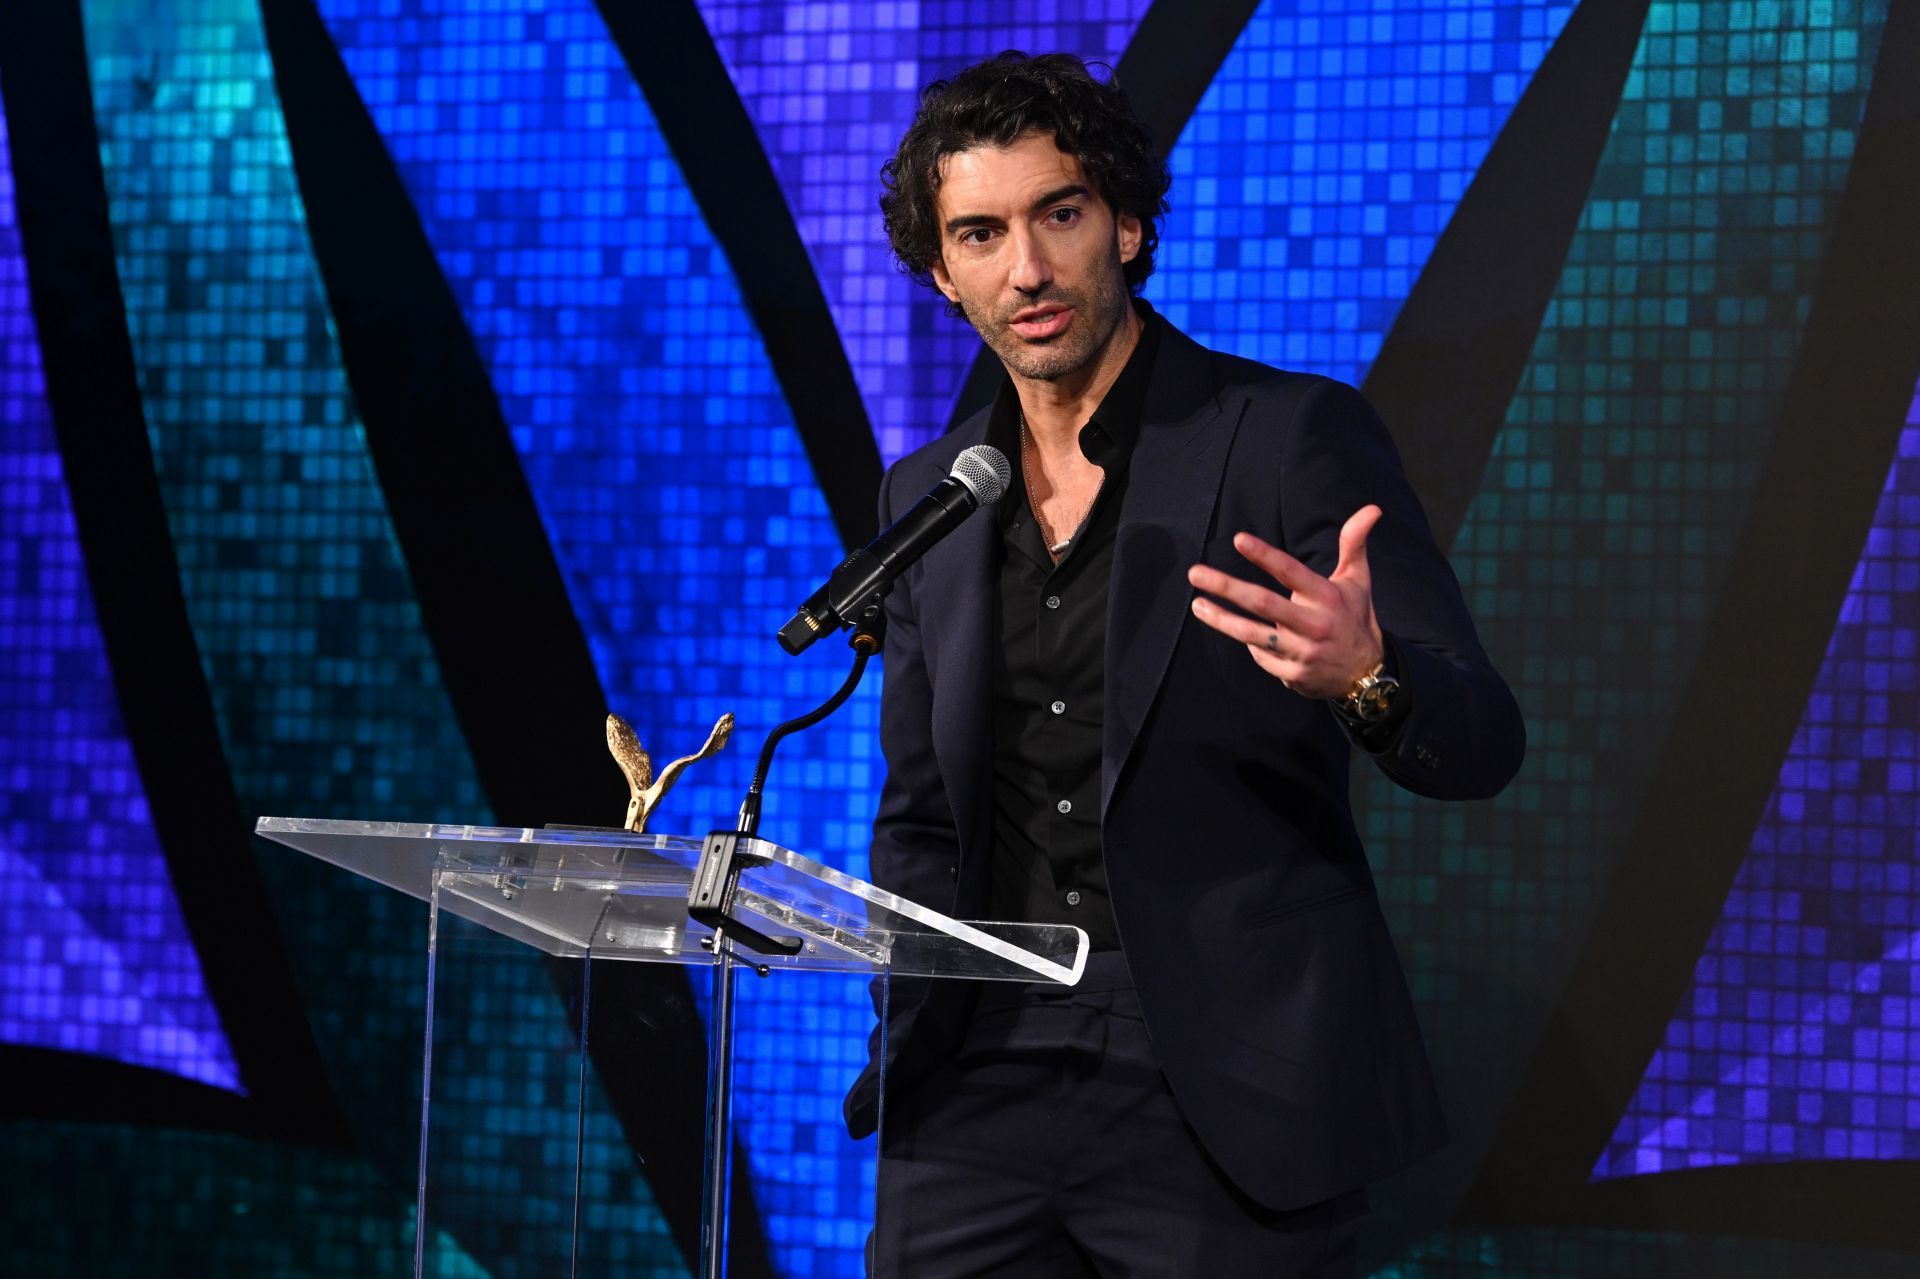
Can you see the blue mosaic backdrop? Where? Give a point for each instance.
(94, 957)
(1314, 179)
(1324, 162)
(678, 498)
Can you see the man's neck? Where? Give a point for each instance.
(1056, 410)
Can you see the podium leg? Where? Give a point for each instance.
(718, 1178)
(581, 1078)
(426, 1086)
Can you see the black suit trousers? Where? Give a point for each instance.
(1049, 1146)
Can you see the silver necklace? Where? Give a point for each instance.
(1059, 548)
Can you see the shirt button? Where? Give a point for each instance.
(1073, 898)
(1053, 601)
(1059, 708)
(1065, 806)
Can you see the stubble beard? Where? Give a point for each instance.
(1098, 315)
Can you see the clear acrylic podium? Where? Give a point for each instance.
(610, 895)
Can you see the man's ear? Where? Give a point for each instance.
(941, 280)
(1127, 236)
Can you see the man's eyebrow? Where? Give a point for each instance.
(1072, 191)
(967, 220)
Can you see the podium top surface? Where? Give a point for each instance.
(617, 895)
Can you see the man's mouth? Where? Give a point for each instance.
(1041, 321)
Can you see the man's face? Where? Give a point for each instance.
(1033, 256)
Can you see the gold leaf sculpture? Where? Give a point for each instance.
(646, 790)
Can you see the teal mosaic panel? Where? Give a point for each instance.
(328, 697)
(1617, 486)
(325, 690)
(124, 1202)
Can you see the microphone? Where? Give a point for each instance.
(980, 478)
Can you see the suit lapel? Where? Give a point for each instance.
(956, 632)
(1172, 488)
(963, 694)
(1173, 484)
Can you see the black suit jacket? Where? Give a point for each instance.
(1244, 902)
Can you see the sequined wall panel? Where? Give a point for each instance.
(1617, 486)
(322, 683)
(1800, 1038)
(202, 1204)
(652, 433)
(831, 87)
(679, 501)
(328, 697)
(1324, 162)
(94, 956)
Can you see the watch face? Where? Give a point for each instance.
(1376, 699)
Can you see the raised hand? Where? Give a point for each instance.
(1320, 637)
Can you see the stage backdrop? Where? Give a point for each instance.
(388, 388)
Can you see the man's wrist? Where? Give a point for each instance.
(1371, 696)
(1378, 703)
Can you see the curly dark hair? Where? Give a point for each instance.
(995, 103)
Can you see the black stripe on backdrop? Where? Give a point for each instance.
(491, 595)
(672, 57)
(492, 598)
(100, 424)
(1839, 425)
(1450, 365)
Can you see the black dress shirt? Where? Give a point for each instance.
(1049, 676)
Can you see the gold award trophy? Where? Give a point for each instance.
(646, 790)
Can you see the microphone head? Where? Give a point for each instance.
(984, 470)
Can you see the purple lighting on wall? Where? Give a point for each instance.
(1800, 1037)
(94, 957)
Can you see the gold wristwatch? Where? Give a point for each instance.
(1371, 698)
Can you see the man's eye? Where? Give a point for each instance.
(1064, 216)
(978, 235)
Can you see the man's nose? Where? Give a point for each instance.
(1029, 271)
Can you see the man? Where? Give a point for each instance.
(1126, 699)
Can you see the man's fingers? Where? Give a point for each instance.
(1284, 669)
(1353, 543)
(1264, 605)
(1313, 638)
(1282, 567)
(1280, 641)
